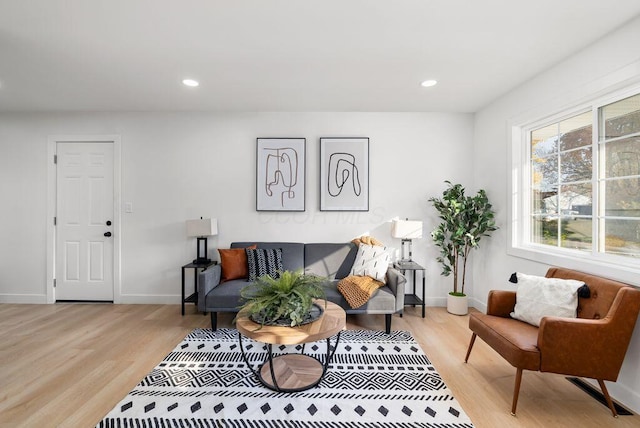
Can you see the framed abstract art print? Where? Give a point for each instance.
(280, 174)
(344, 174)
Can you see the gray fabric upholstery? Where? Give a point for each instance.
(207, 281)
(226, 296)
(331, 260)
(396, 282)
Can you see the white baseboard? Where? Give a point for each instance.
(23, 298)
(441, 302)
(137, 299)
(436, 301)
(479, 305)
(150, 299)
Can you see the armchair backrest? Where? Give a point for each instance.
(603, 292)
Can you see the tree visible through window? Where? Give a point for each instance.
(577, 204)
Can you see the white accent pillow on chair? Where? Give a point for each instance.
(538, 296)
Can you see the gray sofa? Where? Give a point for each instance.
(331, 260)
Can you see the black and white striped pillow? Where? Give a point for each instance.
(263, 261)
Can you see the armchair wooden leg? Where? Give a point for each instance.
(607, 397)
(516, 391)
(387, 323)
(473, 340)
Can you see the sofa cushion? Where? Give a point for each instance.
(373, 261)
(515, 341)
(537, 297)
(292, 252)
(383, 302)
(330, 260)
(234, 263)
(263, 261)
(226, 297)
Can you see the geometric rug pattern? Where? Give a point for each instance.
(374, 380)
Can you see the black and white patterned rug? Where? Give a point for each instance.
(375, 380)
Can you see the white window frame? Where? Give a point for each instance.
(519, 219)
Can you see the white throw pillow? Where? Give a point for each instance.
(537, 297)
(373, 261)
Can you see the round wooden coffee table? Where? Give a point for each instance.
(294, 372)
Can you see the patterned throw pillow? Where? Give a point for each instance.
(373, 261)
(538, 297)
(263, 261)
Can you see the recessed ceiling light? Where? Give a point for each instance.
(190, 82)
(428, 83)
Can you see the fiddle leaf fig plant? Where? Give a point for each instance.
(464, 221)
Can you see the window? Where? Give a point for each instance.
(561, 164)
(619, 181)
(580, 183)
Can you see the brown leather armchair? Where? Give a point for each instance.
(592, 345)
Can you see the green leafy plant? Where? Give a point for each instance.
(289, 297)
(465, 220)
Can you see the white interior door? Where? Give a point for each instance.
(84, 221)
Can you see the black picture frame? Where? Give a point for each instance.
(344, 174)
(280, 174)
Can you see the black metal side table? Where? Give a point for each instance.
(193, 298)
(412, 298)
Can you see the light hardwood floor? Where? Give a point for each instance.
(69, 364)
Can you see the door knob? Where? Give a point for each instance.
(107, 234)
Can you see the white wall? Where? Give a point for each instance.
(612, 62)
(178, 166)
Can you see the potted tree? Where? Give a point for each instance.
(287, 300)
(464, 221)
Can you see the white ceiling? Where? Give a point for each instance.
(286, 55)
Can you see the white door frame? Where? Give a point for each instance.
(52, 140)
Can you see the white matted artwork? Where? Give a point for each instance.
(344, 174)
(280, 174)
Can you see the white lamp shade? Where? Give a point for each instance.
(202, 227)
(406, 229)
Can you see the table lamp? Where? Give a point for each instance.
(201, 228)
(406, 230)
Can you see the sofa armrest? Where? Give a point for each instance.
(208, 279)
(396, 282)
(500, 303)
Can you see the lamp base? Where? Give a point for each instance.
(404, 258)
(201, 256)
